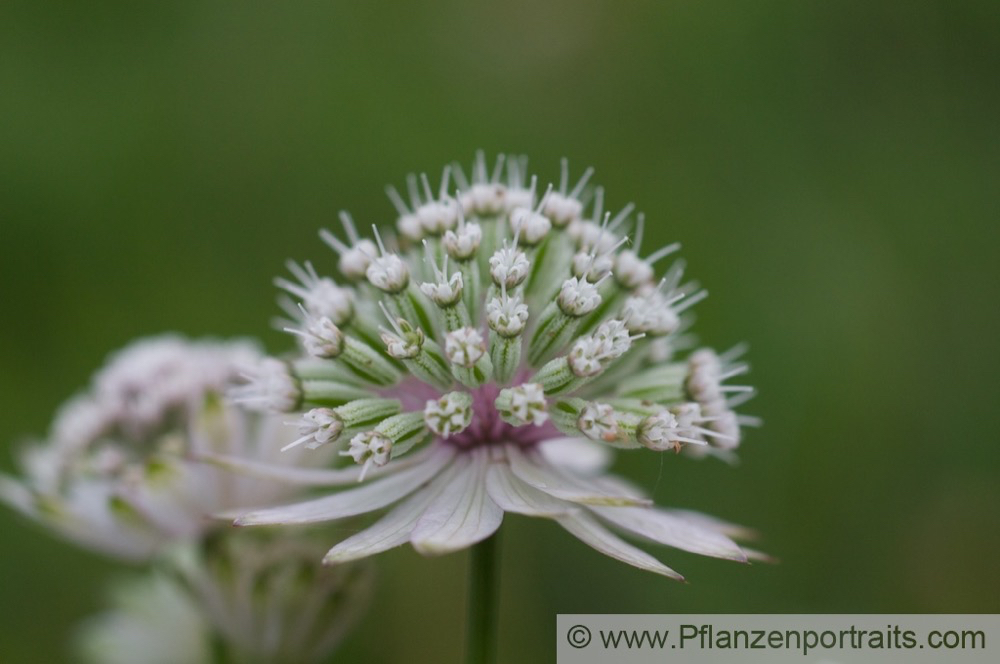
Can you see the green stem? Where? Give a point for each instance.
(219, 649)
(484, 585)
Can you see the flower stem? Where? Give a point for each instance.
(483, 601)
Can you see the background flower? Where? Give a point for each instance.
(118, 472)
(250, 598)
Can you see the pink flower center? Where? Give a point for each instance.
(488, 429)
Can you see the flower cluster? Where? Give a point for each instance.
(265, 597)
(483, 359)
(119, 472)
(123, 472)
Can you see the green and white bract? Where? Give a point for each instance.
(494, 349)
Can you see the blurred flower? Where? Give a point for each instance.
(523, 341)
(249, 599)
(154, 621)
(118, 471)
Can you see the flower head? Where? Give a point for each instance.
(512, 373)
(120, 471)
(260, 599)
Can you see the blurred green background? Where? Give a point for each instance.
(831, 168)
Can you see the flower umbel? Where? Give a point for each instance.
(119, 471)
(522, 338)
(262, 598)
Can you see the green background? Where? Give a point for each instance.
(831, 168)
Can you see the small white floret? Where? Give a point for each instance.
(321, 338)
(506, 315)
(367, 449)
(450, 414)
(463, 243)
(270, 387)
(509, 267)
(464, 346)
(597, 421)
(578, 297)
(529, 226)
(527, 404)
(484, 199)
(317, 427)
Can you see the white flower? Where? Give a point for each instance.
(367, 448)
(259, 599)
(523, 405)
(529, 227)
(444, 290)
(578, 359)
(320, 296)
(451, 414)
(564, 207)
(269, 386)
(707, 372)
(321, 338)
(509, 267)
(597, 421)
(153, 615)
(355, 255)
(464, 346)
(318, 426)
(578, 297)
(507, 315)
(485, 195)
(436, 217)
(388, 273)
(463, 243)
(119, 472)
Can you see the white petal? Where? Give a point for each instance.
(391, 530)
(576, 454)
(664, 528)
(713, 523)
(172, 499)
(367, 498)
(537, 472)
(18, 496)
(590, 532)
(311, 476)
(88, 516)
(618, 484)
(462, 514)
(759, 556)
(513, 495)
